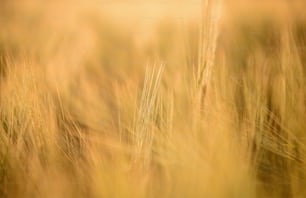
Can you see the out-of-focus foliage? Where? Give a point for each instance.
(152, 99)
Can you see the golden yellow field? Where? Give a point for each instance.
(152, 98)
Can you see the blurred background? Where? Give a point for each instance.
(155, 98)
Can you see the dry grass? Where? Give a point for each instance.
(109, 99)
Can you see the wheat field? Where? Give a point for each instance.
(152, 99)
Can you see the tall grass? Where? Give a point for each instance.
(95, 106)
